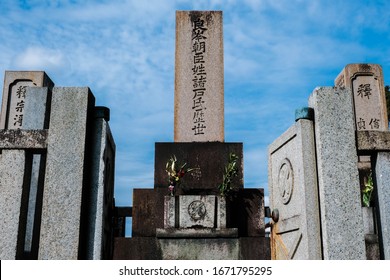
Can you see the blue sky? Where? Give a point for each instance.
(275, 54)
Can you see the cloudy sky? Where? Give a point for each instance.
(275, 54)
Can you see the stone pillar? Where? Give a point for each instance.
(14, 95)
(102, 188)
(338, 178)
(199, 82)
(382, 172)
(66, 174)
(13, 204)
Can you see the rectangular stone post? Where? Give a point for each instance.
(102, 188)
(382, 173)
(66, 173)
(13, 204)
(338, 178)
(14, 95)
(199, 82)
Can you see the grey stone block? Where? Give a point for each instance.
(382, 175)
(14, 95)
(101, 191)
(292, 182)
(199, 79)
(66, 173)
(13, 202)
(200, 249)
(338, 178)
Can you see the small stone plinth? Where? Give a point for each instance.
(194, 211)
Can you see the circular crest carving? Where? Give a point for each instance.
(197, 210)
(286, 181)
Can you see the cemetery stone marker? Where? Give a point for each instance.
(366, 83)
(14, 95)
(199, 82)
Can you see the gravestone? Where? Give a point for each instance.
(293, 188)
(366, 84)
(199, 82)
(72, 111)
(196, 222)
(14, 95)
(338, 178)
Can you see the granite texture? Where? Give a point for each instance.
(23, 139)
(292, 182)
(200, 249)
(13, 202)
(382, 174)
(66, 174)
(338, 178)
(101, 191)
(199, 77)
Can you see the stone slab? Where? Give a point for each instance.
(23, 139)
(197, 211)
(369, 141)
(255, 248)
(102, 191)
(13, 203)
(338, 178)
(199, 77)
(200, 249)
(208, 176)
(246, 212)
(292, 182)
(382, 175)
(37, 108)
(136, 248)
(14, 95)
(63, 207)
(197, 233)
(366, 84)
(144, 213)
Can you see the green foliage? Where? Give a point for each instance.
(367, 191)
(230, 171)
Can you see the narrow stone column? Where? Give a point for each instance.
(338, 178)
(12, 201)
(66, 173)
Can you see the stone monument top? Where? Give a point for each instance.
(199, 80)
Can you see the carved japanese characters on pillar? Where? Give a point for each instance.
(366, 84)
(199, 114)
(14, 95)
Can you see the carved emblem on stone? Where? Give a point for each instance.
(197, 210)
(286, 181)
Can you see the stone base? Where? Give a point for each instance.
(149, 248)
(197, 233)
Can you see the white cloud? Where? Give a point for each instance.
(36, 58)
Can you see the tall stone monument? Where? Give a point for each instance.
(199, 96)
(196, 221)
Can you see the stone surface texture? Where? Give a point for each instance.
(382, 171)
(102, 191)
(338, 179)
(373, 140)
(14, 95)
(294, 193)
(12, 200)
(67, 152)
(199, 77)
(23, 139)
(200, 249)
(366, 84)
